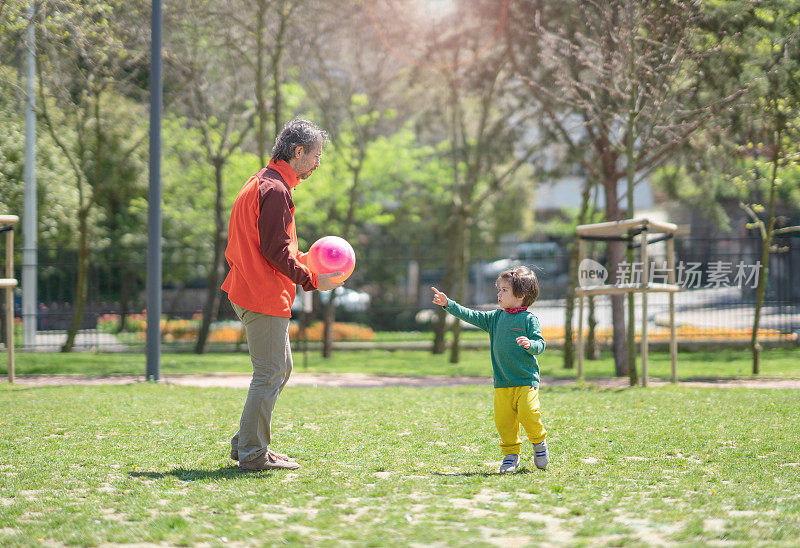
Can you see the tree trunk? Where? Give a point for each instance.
(211, 305)
(83, 227)
(618, 319)
(630, 171)
(329, 317)
(462, 252)
(448, 286)
(572, 281)
(615, 256)
(630, 341)
(277, 64)
(440, 329)
(260, 77)
(592, 348)
(766, 242)
(125, 281)
(82, 281)
(213, 292)
(761, 291)
(569, 310)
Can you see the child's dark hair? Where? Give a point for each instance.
(524, 283)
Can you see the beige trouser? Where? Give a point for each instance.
(268, 342)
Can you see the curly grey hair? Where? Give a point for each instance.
(296, 133)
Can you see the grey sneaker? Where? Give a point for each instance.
(510, 464)
(541, 456)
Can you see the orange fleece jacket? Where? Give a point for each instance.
(262, 244)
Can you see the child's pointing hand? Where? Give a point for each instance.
(439, 297)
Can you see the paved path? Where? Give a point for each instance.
(360, 380)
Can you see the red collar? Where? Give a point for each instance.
(516, 310)
(286, 172)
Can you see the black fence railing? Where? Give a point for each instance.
(390, 292)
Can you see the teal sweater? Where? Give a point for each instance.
(512, 365)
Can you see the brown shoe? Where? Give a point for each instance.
(278, 456)
(268, 462)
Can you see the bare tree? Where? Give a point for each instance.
(353, 84)
(261, 32)
(756, 46)
(473, 91)
(625, 70)
(217, 99)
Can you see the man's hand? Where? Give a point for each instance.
(439, 297)
(324, 282)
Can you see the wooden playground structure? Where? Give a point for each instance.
(8, 283)
(626, 231)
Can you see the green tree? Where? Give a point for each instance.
(188, 200)
(756, 46)
(774, 33)
(398, 181)
(466, 80)
(357, 99)
(216, 99)
(84, 68)
(56, 199)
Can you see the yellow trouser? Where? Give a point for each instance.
(513, 406)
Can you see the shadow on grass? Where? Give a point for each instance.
(185, 474)
(520, 471)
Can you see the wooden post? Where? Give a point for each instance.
(10, 302)
(580, 337)
(645, 281)
(673, 343)
(581, 252)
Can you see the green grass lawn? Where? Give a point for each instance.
(722, 363)
(147, 463)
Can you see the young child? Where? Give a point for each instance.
(515, 340)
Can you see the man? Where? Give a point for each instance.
(266, 265)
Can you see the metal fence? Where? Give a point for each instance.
(390, 292)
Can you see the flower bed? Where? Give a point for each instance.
(227, 331)
(232, 332)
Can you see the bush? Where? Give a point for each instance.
(341, 332)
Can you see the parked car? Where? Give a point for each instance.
(548, 260)
(346, 299)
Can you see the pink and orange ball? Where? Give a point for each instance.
(332, 254)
